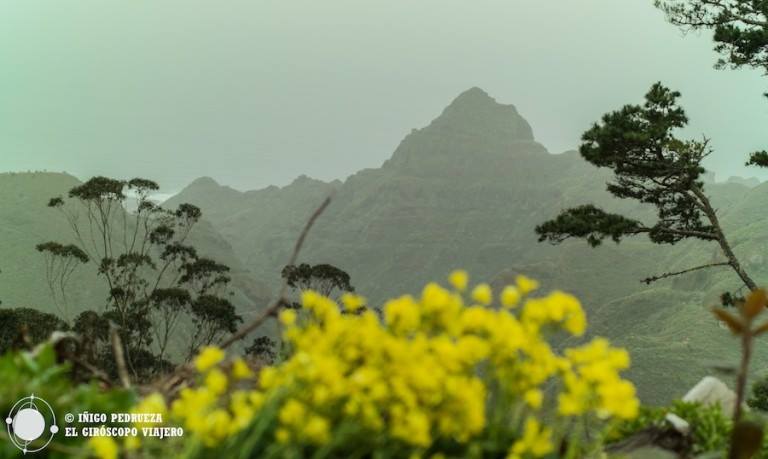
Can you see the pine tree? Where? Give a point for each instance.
(651, 164)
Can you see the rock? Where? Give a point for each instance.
(711, 391)
(653, 442)
(678, 423)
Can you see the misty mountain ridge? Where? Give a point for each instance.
(466, 191)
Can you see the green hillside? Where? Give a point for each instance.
(25, 221)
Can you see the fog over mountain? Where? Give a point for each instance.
(466, 191)
(255, 93)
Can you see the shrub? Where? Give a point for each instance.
(759, 398)
(24, 327)
(710, 427)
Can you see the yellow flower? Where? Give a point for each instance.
(402, 314)
(617, 398)
(217, 426)
(209, 357)
(268, 377)
(526, 284)
(216, 381)
(510, 296)
(534, 398)
(292, 413)
(316, 430)
(256, 398)
(482, 294)
(243, 411)
(352, 302)
(282, 435)
(103, 447)
(288, 317)
(459, 279)
(420, 376)
(536, 440)
(151, 404)
(576, 323)
(241, 370)
(412, 428)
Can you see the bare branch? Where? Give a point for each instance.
(275, 306)
(649, 280)
(117, 348)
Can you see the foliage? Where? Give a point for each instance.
(743, 325)
(157, 283)
(711, 430)
(739, 30)
(652, 166)
(446, 373)
(759, 398)
(710, 427)
(590, 223)
(739, 27)
(25, 327)
(264, 348)
(213, 316)
(61, 261)
(322, 278)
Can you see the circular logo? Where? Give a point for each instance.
(31, 420)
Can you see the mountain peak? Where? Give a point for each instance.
(474, 111)
(473, 133)
(473, 95)
(206, 182)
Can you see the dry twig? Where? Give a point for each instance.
(117, 348)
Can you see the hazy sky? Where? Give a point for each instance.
(255, 92)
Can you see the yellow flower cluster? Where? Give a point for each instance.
(592, 382)
(429, 370)
(536, 441)
(201, 410)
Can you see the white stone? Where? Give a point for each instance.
(678, 423)
(712, 391)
